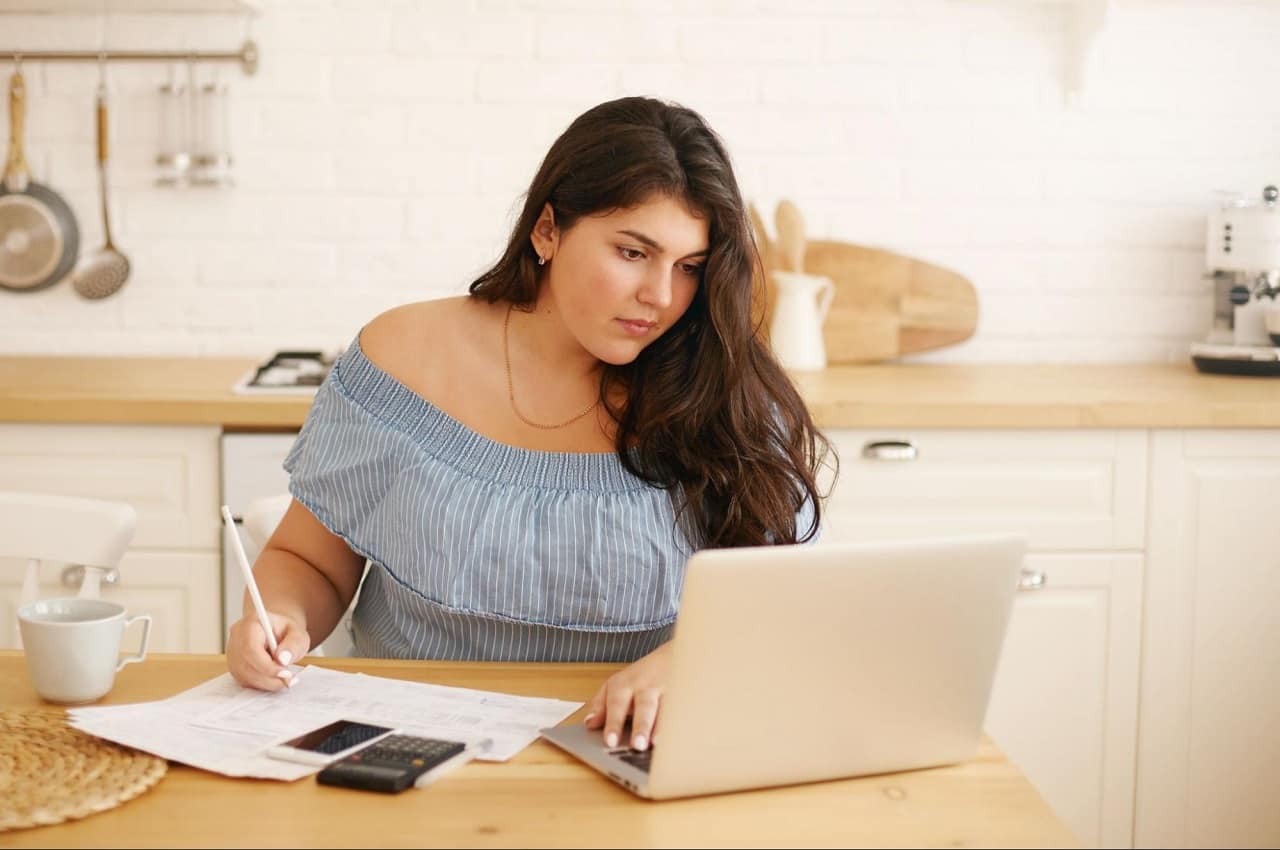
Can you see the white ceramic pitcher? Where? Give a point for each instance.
(799, 309)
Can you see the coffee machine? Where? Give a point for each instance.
(1243, 258)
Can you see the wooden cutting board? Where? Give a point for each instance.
(886, 304)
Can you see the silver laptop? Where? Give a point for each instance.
(803, 663)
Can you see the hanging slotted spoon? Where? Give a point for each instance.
(103, 272)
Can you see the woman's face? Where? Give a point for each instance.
(620, 280)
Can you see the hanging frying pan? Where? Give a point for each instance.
(39, 238)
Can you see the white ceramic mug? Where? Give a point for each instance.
(72, 646)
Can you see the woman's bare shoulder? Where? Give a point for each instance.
(408, 340)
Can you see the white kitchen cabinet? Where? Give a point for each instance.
(1065, 490)
(170, 475)
(1208, 746)
(173, 587)
(1065, 702)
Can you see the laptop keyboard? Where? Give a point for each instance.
(638, 759)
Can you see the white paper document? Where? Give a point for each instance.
(224, 727)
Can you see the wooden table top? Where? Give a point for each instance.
(197, 391)
(541, 798)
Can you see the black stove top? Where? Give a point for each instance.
(288, 372)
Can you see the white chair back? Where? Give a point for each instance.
(262, 516)
(91, 534)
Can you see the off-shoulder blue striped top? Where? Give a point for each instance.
(480, 550)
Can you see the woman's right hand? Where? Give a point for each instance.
(250, 661)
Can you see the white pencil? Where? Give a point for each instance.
(249, 583)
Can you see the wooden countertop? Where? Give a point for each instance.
(541, 798)
(141, 391)
(197, 391)
(1121, 395)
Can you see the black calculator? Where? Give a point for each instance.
(391, 764)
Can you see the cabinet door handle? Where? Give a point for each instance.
(889, 450)
(73, 576)
(1032, 580)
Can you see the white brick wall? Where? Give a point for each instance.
(382, 148)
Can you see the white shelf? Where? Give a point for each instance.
(1088, 23)
(129, 7)
(1086, 26)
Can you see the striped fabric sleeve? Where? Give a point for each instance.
(805, 519)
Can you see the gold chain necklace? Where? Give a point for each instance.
(511, 388)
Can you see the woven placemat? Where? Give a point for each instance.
(50, 772)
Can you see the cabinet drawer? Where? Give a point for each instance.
(169, 474)
(180, 590)
(1064, 490)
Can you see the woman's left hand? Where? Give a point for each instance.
(635, 690)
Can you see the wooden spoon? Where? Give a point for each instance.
(762, 237)
(762, 296)
(790, 236)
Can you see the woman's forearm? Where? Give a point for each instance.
(290, 585)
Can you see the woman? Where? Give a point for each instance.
(528, 467)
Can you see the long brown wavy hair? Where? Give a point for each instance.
(709, 414)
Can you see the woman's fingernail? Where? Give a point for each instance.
(284, 657)
(284, 674)
(586, 721)
(639, 743)
(611, 740)
(291, 681)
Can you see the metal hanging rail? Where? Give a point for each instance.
(247, 56)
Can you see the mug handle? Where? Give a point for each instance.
(142, 649)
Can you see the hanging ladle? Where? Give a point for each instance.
(104, 271)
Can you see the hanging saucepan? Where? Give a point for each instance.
(39, 238)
